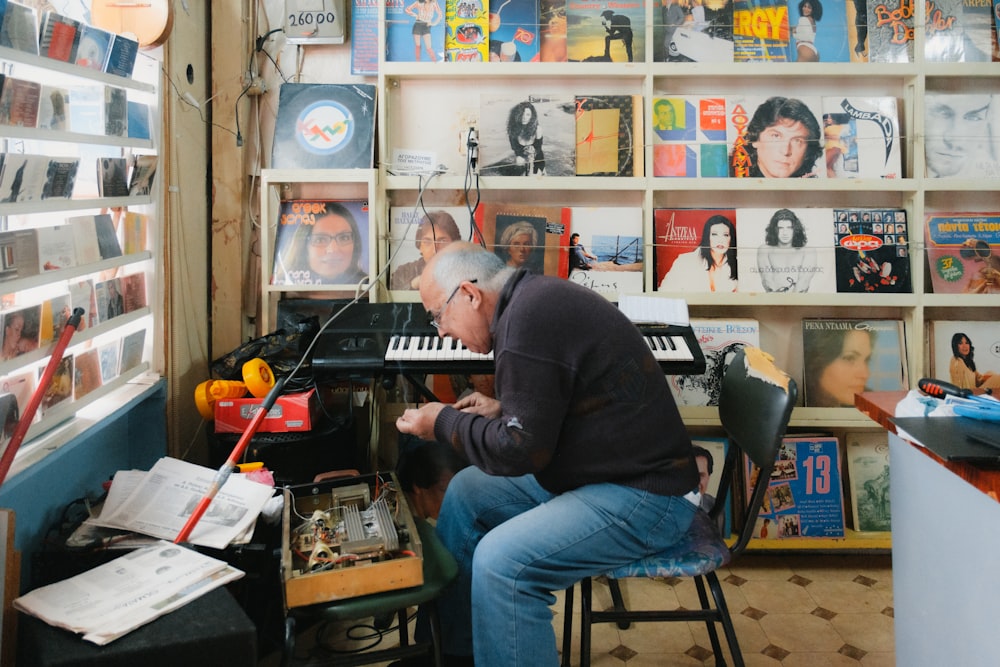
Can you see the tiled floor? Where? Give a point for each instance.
(792, 610)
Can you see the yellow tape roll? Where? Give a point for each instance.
(204, 400)
(258, 377)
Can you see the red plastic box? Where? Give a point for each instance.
(290, 413)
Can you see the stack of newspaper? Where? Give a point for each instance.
(159, 502)
(113, 599)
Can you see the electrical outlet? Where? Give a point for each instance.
(257, 86)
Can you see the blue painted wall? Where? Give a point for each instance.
(133, 436)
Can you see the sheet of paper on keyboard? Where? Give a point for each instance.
(654, 309)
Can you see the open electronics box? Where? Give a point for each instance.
(348, 537)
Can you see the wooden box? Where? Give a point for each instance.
(348, 537)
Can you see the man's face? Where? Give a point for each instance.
(664, 116)
(430, 242)
(702, 473)
(786, 232)
(781, 148)
(956, 127)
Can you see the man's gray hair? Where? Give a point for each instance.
(470, 262)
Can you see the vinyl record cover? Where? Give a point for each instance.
(825, 39)
(321, 242)
(21, 331)
(792, 147)
(872, 250)
(760, 31)
(53, 108)
(867, 455)
(552, 34)
(527, 236)
(966, 353)
(324, 126)
(112, 178)
(60, 388)
(58, 36)
(609, 135)
(613, 236)
(959, 31)
(109, 355)
(20, 28)
(890, 31)
(719, 339)
(133, 346)
(138, 120)
(414, 31)
(706, 37)
(93, 47)
(19, 101)
(527, 135)
(60, 176)
(786, 250)
(682, 238)
(54, 315)
(606, 31)
(804, 497)
(963, 252)
(689, 137)
(416, 235)
(958, 139)
(121, 56)
(467, 31)
(710, 456)
(861, 137)
(364, 36)
(115, 111)
(844, 357)
(86, 373)
(514, 31)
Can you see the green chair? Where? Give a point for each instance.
(439, 569)
(754, 407)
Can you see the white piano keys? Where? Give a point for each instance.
(430, 348)
(668, 348)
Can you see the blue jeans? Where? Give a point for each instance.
(515, 543)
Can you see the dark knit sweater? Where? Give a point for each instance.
(583, 399)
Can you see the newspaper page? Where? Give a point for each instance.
(165, 497)
(113, 599)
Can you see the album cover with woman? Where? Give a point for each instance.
(525, 236)
(527, 135)
(966, 353)
(844, 357)
(322, 242)
(694, 250)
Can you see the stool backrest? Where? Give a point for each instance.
(755, 405)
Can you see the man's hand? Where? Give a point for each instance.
(420, 421)
(479, 404)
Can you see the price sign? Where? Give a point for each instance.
(314, 21)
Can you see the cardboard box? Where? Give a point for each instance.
(342, 563)
(291, 412)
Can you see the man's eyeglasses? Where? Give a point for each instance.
(323, 240)
(435, 320)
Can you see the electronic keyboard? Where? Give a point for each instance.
(379, 338)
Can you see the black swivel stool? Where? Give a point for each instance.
(210, 631)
